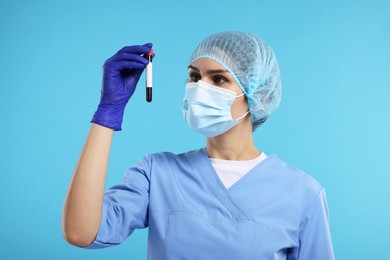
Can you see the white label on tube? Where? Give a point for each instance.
(149, 78)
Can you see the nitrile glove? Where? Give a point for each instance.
(121, 73)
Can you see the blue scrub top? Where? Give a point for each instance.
(274, 212)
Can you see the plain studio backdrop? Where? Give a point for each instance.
(333, 121)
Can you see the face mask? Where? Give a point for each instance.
(206, 108)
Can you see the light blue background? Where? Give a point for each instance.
(333, 121)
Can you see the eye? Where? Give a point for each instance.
(194, 77)
(219, 80)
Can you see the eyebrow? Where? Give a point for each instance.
(208, 71)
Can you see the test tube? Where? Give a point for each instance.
(149, 76)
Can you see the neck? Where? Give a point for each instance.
(236, 144)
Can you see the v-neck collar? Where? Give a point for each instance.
(211, 178)
(252, 171)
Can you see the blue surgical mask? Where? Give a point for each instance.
(206, 108)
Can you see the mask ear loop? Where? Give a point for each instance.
(241, 117)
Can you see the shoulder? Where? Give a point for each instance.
(169, 157)
(295, 173)
(162, 161)
(295, 179)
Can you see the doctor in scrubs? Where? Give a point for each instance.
(228, 200)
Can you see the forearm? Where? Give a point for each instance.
(84, 201)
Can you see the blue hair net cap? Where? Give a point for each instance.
(252, 64)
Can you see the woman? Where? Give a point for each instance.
(226, 201)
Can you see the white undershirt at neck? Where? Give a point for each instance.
(231, 171)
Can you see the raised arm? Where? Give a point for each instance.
(84, 201)
(83, 205)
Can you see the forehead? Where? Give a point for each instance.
(205, 64)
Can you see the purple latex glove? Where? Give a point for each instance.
(121, 73)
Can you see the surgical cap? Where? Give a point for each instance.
(252, 64)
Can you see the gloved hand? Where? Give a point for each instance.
(121, 73)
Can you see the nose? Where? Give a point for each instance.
(207, 79)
